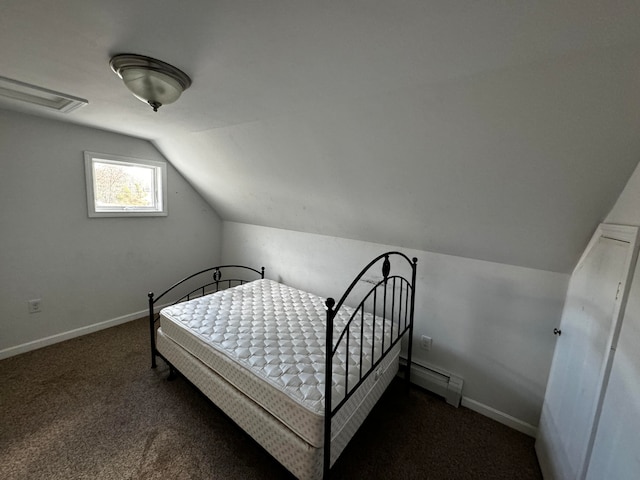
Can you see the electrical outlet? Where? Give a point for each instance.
(425, 342)
(35, 305)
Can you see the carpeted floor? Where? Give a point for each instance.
(91, 408)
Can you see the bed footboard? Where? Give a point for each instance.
(204, 282)
(392, 298)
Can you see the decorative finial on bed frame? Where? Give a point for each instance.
(217, 275)
(386, 267)
(330, 303)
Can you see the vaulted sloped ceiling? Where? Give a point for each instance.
(501, 131)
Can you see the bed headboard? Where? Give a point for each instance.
(201, 283)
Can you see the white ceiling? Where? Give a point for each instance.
(502, 131)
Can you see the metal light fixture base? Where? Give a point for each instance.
(151, 85)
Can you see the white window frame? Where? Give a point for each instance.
(160, 194)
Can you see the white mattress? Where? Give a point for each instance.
(267, 340)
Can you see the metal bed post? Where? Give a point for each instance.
(414, 267)
(152, 331)
(330, 303)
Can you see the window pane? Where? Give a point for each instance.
(123, 186)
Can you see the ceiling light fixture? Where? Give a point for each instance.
(152, 81)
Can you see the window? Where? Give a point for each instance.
(125, 187)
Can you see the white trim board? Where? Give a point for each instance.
(500, 417)
(61, 337)
(78, 332)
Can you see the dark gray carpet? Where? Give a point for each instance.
(91, 408)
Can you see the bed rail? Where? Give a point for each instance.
(393, 299)
(213, 282)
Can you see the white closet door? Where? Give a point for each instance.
(616, 452)
(581, 360)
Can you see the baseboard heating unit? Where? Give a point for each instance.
(436, 380)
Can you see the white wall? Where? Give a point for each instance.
(491, 323)
(86, 271)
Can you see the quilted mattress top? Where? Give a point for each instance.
(269, 331)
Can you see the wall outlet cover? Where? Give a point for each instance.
(35, 305)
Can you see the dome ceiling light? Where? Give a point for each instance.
(152, 81)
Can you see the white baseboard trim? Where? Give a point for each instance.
(61, 337)
(500, 417)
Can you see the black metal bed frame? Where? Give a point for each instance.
(397, 312)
